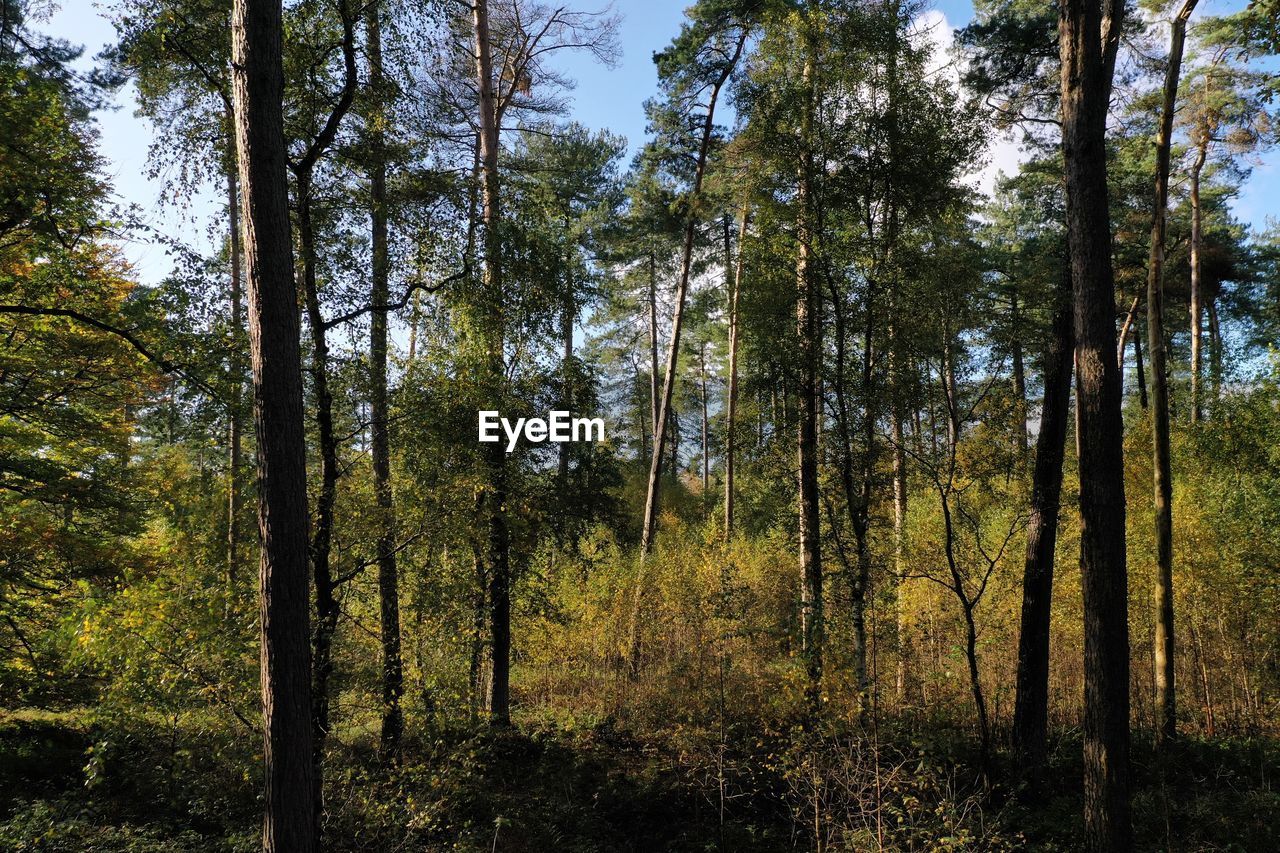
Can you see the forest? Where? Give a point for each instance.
(938, 501)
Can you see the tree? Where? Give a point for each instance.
(274, 329)
(178, 53)
(1089, 36)
(1161, 467)
(1226, 114)
(529, 34)
(699, 62)
(379, 297)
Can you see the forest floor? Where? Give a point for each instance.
(81, 780)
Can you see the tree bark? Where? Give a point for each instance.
(499, 546)
(731, 408)
(653, 345)
(1130, 323)
(275, 352)
(1031, 704)
(1088, 61)
(1215, 350)
(1167, 724)
(1197, 296)
(388, 571)
(899, 529)
(1142, 374)
(322, 532)
(1019, 374)
(235, 456)
(648, 530)
(807, 332)
(706, 448)
(568, 314)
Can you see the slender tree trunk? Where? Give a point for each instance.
(807, 331)
(568, 315)
(1031, 705)
(731, 408)
(1142, 374)
(415, 319)
(1130, 323)
(673, 425)
(1088, 62)
(1197, 296)
(856, 486)
(499, 555)
(967, 607)
(899, 541)
(653, 345)
(648, 530)
(1019, 375)
(235, 459)
(475, 674)
(1167, 725)
(388, 573)
(706, 448)
(1215, 350)
(275, 352)
(322, 531)
(949, 384)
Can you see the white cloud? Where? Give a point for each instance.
(1004, 153)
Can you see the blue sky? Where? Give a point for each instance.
(604, 98)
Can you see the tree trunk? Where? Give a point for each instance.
(1215, 350)
(236, 366)
(388, 573)
(949, 385)
(1142, 374)
(899, 540)
(568, 315)
(275, 352)
(731, 408)
(322, 531)
(1019, 375)
(1031, 705)
(499, 555)
(706, 449)
(807, 332)
(1088, 63)
(1167, 724)
(1130, 323)
(1197, 296)
(649, 526)
(653, 346)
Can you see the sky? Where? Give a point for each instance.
(605, 97)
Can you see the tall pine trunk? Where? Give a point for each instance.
(388, 572)
(731, 407)
(706, 446)
(1088, 63)
(807, 331)
(648, 529)
(1019, 373)
(1166, 727)
(235, 365)
(275, 352)
(499, 538)
(1197, 295)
